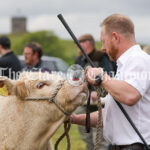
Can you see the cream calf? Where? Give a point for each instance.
(29, 124)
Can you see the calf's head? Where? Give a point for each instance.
(35, 84)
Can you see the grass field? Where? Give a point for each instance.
(76, 142)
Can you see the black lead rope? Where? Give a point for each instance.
(61, 18)
(87, 123)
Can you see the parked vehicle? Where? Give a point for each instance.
(53, 63)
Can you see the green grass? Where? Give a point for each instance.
(76, 142)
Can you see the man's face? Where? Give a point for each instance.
(108, 45)
(86, 46)
(28, 55)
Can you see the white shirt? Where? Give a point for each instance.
(133, 65)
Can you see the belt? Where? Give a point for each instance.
(135, 146)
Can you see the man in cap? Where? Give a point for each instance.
(100, 59)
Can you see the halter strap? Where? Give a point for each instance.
(51, 99)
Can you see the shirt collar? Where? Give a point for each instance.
(38, 65)
(124, 57)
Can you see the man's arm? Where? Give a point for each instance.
(119, 90)
(80, 119)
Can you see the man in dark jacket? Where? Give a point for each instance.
(9, 64)
(100, 59)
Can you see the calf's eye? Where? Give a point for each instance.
(40, 85)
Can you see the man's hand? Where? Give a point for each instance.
(92, 73)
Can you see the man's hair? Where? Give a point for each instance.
(5, 42)
(119, 23)
(36, 48)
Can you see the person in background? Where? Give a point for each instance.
(147, 49)
(9, 63)
(100, 59)
(130, 88)
(32, 54)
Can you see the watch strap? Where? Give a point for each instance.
(98, 78)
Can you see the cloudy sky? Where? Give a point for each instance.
(83, 16)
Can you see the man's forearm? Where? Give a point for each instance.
(121, 90)
(80, 119)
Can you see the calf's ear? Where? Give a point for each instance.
(6, 86)
(21, 89)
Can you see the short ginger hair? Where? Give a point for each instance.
(120, 24)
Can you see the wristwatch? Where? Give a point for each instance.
(98, 78)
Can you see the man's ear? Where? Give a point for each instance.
(115, 37)
(21, 89)
(10, 84)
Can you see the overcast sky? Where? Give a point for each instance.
(83, 16)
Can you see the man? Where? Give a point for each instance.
(100, 59)
(9, 64)
(33, 53)
(130, 88)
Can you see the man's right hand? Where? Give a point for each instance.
(92, 73)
